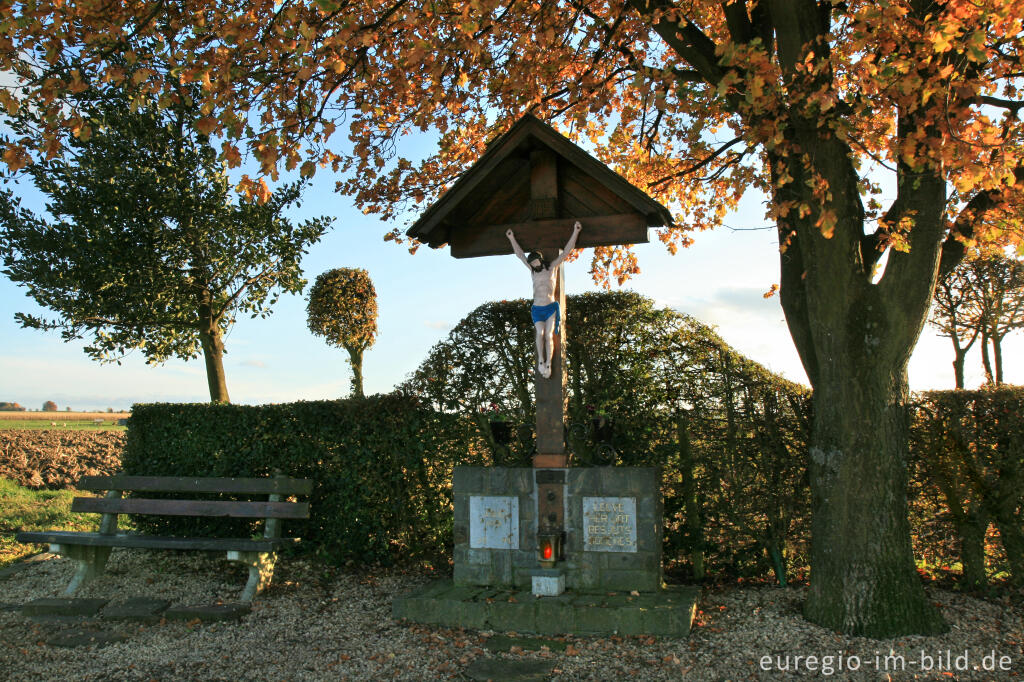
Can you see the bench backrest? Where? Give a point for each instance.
(278, 485)
(272, 508)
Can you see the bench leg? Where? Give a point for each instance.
(91, 562)
(261, 571)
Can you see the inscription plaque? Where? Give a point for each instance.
(609, 524)
(493, 522)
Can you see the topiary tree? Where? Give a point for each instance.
(343, 309)
(49, 406)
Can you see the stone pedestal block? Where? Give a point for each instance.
(548, 582)
(613, 527)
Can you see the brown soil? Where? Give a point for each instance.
(57, 459)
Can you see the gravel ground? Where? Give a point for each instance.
(319, 624)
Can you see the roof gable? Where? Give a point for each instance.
(536, 182)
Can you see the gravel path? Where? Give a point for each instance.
(319, 624)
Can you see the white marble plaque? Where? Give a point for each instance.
(493, 522)
(609, 524)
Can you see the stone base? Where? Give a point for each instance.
(548, 582)
(211, 613)
(63, 606)
(137, 609)
(668, 612)
(598, 562)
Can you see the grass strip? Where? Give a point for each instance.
(36, 510)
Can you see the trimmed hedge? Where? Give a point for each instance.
(968, 463)
(381, 465)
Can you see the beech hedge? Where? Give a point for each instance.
(381, 468)
(967, 457)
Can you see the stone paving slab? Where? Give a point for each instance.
(208, 613)
(77, 637)
(668, 612)
(505, 670)
(502, 643)
(136, 609)
(63, 606)
(21, 564)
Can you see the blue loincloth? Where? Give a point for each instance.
(541, 313)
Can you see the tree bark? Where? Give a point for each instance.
(958, 369)
(691, 499)
(985, 361)
(863, 579)
(1012, 539)
(855, 336)
(997, 355)
(971, 533)
(959, 355)
(355, 358)
(213, 348)
(213, 353)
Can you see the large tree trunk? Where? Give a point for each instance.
(863, 579)
(855, 336)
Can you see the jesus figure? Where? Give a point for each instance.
(545, 313)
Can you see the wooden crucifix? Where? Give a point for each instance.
(536, 185)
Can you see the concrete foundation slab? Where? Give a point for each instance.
(668, 612)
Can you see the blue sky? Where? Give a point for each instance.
(719, 280)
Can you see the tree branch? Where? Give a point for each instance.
(685, 38)
(696, 166)
(953, 249)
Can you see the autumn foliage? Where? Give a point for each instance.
(688, 103)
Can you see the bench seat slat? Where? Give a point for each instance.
(184, 484)
(221, 508)
(156, 542)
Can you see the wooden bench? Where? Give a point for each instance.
(91, 550)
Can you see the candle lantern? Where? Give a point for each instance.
(549, 547)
